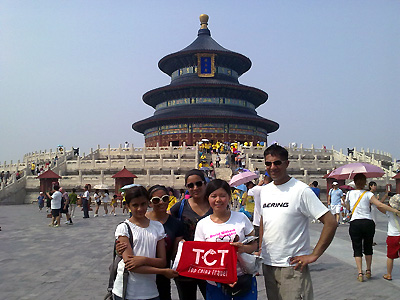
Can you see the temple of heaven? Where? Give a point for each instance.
(204, 99)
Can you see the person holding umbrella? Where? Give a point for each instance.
(362, 227)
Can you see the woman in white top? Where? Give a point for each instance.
(105, 197)
(97, 199)
(362, 227)
(225, 225)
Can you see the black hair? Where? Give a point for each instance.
(215, 185)
(73, 190)
(276, 150)
(195, 172)
(359, 176)
(106, 191)
(136, 192)
(115, 196)
(56, 187)
(249, 183)
(96, 191)
(157, 187)
(371, 184)
(315, 183)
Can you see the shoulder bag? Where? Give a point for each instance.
(348, 218)
(114, 267)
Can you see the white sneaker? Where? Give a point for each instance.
(105, 215)
(96, 215)
(313, 221)
(115, 215)
(66, 222)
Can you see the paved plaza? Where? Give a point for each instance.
(71, 262)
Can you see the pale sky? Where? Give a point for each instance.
(74, 72)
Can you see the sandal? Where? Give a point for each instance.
(360, 277)
(387, 277)
(368, 274)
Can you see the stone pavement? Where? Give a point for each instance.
(71, 262)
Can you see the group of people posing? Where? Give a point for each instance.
(281, 217)
(149, 239)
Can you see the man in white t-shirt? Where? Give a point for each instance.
(285, 208)
(55, 206)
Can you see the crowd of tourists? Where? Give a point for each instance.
(276, 210)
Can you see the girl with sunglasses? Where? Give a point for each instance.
(159, 200)
(225, 225)
(190, 211)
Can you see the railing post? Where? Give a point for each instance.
(102, 176)
(80, 177)
(148, 177)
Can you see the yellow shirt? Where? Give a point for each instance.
(248, 202)
(172, 201)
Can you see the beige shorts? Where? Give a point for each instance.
(286, 283)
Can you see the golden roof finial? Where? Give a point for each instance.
(203, 21)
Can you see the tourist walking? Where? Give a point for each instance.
(55, 206)
(97, 200)
(41, 201)
(146, 256)
(190, 211)
(335, 201)
(105, 198)
(217, 161)
(114, 204)
(85, 202)
(172, 198)
(393, 238)
(362, 227)
(65, 207)
(73, 199)
(285, 208)
(224, 225)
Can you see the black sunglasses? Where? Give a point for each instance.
(276, 163)
(197, 183)
(156, 200)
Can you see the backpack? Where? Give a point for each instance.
(181, 209)
(114, 266)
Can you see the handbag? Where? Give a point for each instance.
(114, 267)
(349, 216)
(242, 286)
(250, 263)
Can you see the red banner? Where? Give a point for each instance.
(208, 261)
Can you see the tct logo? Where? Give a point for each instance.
(281, 204)
(219, 256)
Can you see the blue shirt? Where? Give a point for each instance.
(316, 190)
(336, 196)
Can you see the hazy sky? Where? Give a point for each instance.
(74, 72)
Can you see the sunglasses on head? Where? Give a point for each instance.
(197, 183)
(156, 200)
(276, 163)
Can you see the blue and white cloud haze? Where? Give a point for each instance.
(74, 72)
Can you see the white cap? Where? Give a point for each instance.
(335, 183)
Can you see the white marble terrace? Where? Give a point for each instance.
(167, 166)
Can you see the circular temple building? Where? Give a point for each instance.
(204, 99)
